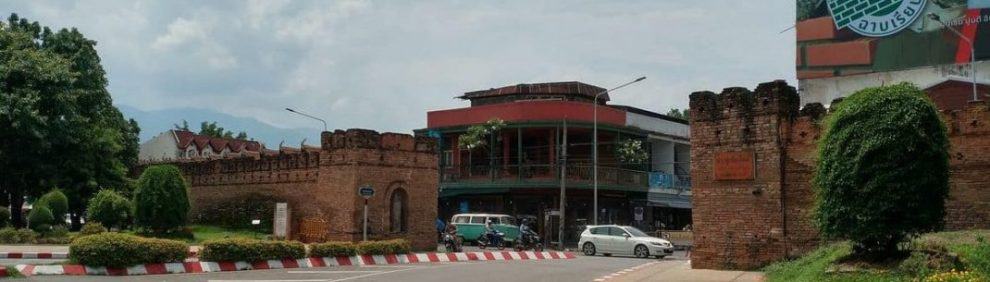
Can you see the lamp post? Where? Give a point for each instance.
(594, 146)
(309, 116)
(972, 49)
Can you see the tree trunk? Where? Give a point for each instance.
(16, 201)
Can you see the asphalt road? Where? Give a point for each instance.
(580, 269)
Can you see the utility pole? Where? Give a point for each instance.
(563, 185)
(594, 148)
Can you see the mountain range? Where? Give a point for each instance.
(155, 122)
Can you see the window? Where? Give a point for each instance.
(615, 231)
(398, 211)
(448, 158)
(461, 219)
(478, 220)
(494, 220)
(599, 231)
(508, 220)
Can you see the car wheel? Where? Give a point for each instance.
(641, 251)
(589, 249)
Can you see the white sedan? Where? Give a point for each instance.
(622, 240)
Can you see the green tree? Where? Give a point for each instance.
(681, 114)
(57, 202)
(58, 125)
(882, 173)
(40, 219)
(109, 208)
(161, 203)
(213, 130)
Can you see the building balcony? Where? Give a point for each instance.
(481, 179)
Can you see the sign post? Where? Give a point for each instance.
(366, 192)
(281, 229)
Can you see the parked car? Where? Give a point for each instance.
(470, 226)
(622, 240)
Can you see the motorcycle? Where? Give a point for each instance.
(495, 240)
(529, 241)
(451, 243)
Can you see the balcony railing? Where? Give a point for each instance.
(546, 173)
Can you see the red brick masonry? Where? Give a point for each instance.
(745, 224)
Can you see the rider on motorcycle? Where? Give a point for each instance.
(525, 231)
(490, 230)
(452, 231)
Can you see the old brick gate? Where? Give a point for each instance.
(752, 162)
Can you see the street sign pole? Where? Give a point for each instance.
(366, 192)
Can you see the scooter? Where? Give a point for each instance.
(529, 241)
(496, 240)
(451, 243)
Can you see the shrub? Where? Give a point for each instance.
(160, 201)
(40, 219)
(122, 250)
(333, 249)
(396, 246)
(882, 172)
(91, 228)
(58, 203)
(57, 231)
(243, 249)
(10, 235)
(4, 216)
(978, 257)
(110, 208)
(954, 276)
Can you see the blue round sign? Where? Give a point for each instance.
(366, 191)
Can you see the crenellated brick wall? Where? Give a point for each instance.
(322, 184)
(745, 224)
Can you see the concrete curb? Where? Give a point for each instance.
(201, 267)
(33, 255)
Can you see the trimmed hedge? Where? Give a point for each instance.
(57, 203)
(243, 249)
(333, 249)
(92, 227)
(9, 235)
(161, 201)
(122, 250)
(110, 208)
(395, 246)
(40, 218)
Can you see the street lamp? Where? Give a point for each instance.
(309, 116)
(972, 49)
(594, 146)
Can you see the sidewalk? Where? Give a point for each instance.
(683, 272)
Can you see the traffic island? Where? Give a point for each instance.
(312, 262)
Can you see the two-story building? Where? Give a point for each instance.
(521, 168)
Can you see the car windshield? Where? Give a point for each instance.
(636, 232)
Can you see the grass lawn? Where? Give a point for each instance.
(201, 233)
(943, 256)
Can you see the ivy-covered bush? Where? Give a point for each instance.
(122, 250)
(40, 219)
(882, 172)
(395, 246)
(57, 203)
(109, 208)
(91, 228)
(161, 202)
(244, 249)
(333, 249)
(9, 235)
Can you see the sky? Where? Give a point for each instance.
(383, 64)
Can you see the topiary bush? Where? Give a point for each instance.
(91, 228)
(161, 203)
(4, 216)
(243, 249)
(121, 250)
(395, 246)
(9, 235)
(40, 219)
(110, 208)
(882, 172)
(58, 203)
(333, 249)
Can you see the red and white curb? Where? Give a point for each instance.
(624, 271)
(362, 260)
(32, 255)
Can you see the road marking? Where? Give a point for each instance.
(332, 271)
(372, 274)
(308, 280)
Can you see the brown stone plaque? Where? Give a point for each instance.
(734, 166)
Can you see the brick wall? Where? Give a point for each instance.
(745, 224)
(322, 184)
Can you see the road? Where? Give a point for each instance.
(582, 268)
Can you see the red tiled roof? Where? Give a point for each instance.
(569, 87)
(187, 138)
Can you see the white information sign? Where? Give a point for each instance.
(281, 221)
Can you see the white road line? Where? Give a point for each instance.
(372, 274)
(332, 271)
(309, 280)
